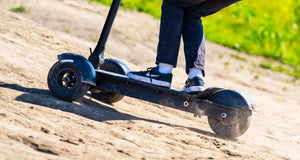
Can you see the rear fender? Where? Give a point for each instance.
(88, 74)
(233, 98)
(250, 104)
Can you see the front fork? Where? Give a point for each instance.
(97, 56)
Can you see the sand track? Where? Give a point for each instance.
(36, 125)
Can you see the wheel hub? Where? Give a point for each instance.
(67, 79)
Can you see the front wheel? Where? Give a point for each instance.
(64, 82)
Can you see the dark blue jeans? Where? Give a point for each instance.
(183, 17)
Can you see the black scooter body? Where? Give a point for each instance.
(229, 111)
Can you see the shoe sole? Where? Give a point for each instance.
(193, 89)
(148, 80)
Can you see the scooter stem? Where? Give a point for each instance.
(97, 56)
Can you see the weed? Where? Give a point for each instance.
(94, 39)
(251, 70)
(221, 56)
(281, 100)
(19, 9)
(256, 76)
(280, 69)
(242, 66)
(284, 88)
(67, 29)
(236, 56)
(287, 81)
(297, 82)
(263, 89)
(227, 63)
(266, 65)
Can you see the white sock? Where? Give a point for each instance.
(165, 68)
(195, 72)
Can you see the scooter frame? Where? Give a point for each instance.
(221, 105)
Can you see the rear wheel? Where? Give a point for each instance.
(111, 65)
(236, 127)
(64, 82)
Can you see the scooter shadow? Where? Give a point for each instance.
(86, 107)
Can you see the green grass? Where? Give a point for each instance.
(266, 28)
(151, 7)
(19, 9)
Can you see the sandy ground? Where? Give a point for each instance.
(36, 125)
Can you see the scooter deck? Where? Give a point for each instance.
(197, 104)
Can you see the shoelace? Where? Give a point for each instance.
(150, 70)
(187, 82)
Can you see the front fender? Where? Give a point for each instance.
(88, 74)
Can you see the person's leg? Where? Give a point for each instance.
(194, 42)
(168, 47)
(170, 33)
(192, 30)
(194, 49)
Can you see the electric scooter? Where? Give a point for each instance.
(229, 111)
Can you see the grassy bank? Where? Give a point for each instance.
(267, 28)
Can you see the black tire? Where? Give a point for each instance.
(234, 128)
(64, 82)
(110, 97)
(231, 129)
